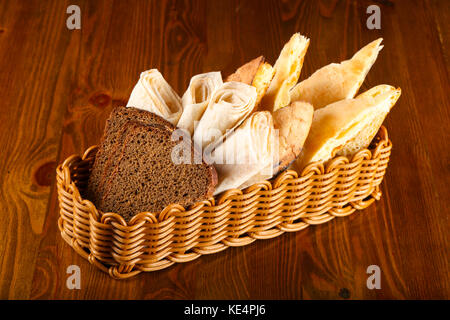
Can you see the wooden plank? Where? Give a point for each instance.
(36, 71)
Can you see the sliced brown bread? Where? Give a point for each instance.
(145, 177)
(110, 140)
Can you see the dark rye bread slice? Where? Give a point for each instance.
(111, 139)
(145, 177)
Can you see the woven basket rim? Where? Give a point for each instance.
(270, 184)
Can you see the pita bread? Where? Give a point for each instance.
(287, 71)
(344, 121)
(262, 80)
(365, 136)
(336, 82)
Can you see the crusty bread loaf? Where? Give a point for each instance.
(351, 121)
(111, 139)
(337, 81)
(246, 72)
(293, 123)
(145, 177)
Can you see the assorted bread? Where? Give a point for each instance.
(162, 149)
(291, 125)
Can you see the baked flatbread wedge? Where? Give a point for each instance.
(287, 71)
(337, 81)
(365, 137)
(262, 80)
(347, 125)
(257, 73)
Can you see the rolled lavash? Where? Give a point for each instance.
(245, 152)
(153, 93)
(291, 124)
(229, 106)
(196, 98)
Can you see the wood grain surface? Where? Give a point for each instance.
(57, 87)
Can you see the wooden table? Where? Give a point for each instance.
(57, 87)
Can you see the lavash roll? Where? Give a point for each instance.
(291, 124)
(245, 152)
(229, 106)
(153, 93)
(196, 98)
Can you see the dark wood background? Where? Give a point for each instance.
(57, 87)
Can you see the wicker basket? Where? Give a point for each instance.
(290, 202)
